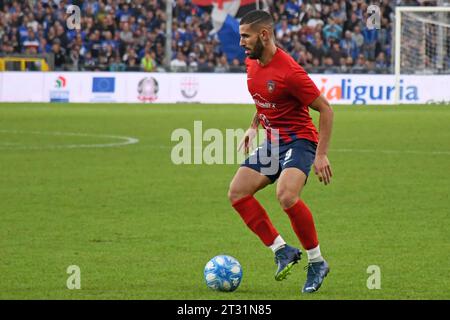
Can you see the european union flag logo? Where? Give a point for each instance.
(104, 85)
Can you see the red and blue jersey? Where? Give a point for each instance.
(282, 92)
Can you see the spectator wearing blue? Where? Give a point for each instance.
(338, 13)
(94, 45)
(30, 43)
(124, 14)
(23, 30)
(90, 6)
(370, 41)
(349, 46)
(357, 9)
(292, 8)
(71, 34)
(109, 41)
(181, 29)
(80, 39)
(283, 28)
(296, 51)
(44, 46)
(332, 30)
(314, 38)
(189, 33)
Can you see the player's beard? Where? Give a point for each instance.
(257, 51)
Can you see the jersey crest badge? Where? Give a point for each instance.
(270, 86)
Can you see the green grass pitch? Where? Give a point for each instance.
(140, 227)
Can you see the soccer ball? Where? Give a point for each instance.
(223, 273)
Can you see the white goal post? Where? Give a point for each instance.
(422, 38)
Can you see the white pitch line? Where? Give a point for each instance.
(341, 150)
(125, 140)
(392, 151)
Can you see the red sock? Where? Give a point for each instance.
(256, 219)
(303, 224)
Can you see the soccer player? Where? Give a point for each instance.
(283, 93)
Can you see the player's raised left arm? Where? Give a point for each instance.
(322, 167)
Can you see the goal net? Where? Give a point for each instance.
(422, 41)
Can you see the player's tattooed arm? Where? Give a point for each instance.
(255, 121)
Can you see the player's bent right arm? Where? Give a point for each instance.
(249, 135)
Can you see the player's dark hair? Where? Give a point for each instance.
(257, 17)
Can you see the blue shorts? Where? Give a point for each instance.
(296, 154)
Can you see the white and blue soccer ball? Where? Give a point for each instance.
(223, 273)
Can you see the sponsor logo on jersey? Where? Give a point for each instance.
(262, 102)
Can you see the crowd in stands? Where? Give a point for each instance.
(324, 36)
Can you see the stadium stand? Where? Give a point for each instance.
(117, 35)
